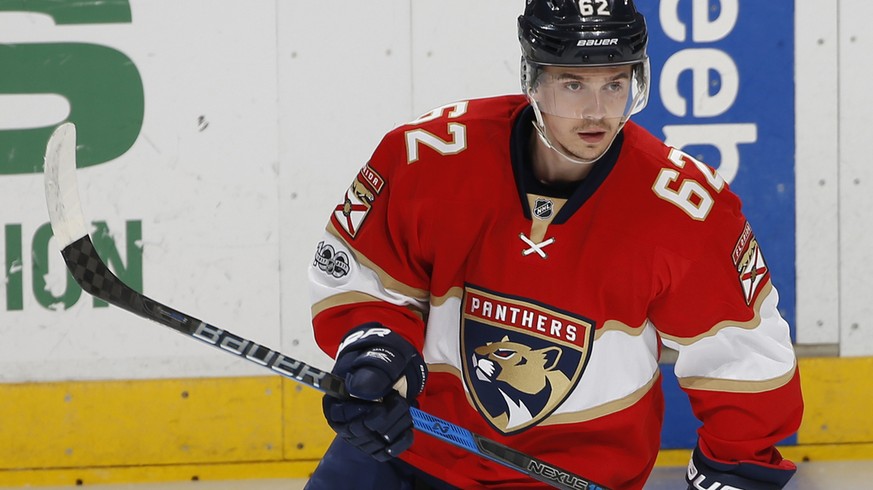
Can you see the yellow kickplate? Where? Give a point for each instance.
(307, 434)
(838, 394)
(269, 427)
(153, 422)
(156, 474)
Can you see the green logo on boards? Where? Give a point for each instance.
(101, 84)
(43, 267)
(104, 92)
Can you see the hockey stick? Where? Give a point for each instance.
(92, 274)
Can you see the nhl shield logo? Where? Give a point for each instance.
(543, 208)
(521, 358)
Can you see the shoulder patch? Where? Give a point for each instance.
(332, 262)
(373, 178)
(352, 212)
(750, 264)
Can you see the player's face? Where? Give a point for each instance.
(591, 102)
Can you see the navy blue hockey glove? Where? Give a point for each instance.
(704, 474)
(372, 360)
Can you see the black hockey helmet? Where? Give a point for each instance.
(582, 32)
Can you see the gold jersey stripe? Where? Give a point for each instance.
(748, 325)
(736, 386)
(605, 409)
(387, 280)
(615, 325)
(354, 297)
(570, 417)
(453, 292)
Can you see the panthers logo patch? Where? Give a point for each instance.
(521, 358)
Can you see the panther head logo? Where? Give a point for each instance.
(521, 359)
(361, 193)
(527, 379)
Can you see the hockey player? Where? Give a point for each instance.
(512, 265)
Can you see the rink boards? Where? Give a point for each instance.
(268, 427)
(209, 166)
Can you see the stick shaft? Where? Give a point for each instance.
(92, 274)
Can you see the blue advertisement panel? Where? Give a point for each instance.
(723, 91)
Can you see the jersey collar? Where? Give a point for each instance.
(576, 193)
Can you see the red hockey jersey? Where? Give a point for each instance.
(541, 315)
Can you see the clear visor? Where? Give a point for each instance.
(589, 92)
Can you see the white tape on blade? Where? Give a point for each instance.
(61, 187)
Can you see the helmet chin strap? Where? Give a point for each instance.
(540, 127)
